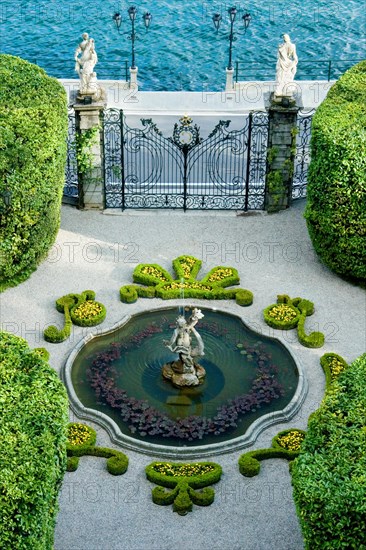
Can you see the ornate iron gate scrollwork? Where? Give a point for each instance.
(71, 192)
(144, 169)
(302, 154)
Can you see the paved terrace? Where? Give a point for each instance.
(205, 107)
(273, 254)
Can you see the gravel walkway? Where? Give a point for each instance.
(273, 255)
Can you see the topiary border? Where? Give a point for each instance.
(249, 463)
(68, 304)
(159, 283)
(324, 362)
(303, 308)
(183, 494)
(117, 462)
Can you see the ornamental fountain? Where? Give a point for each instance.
(150, 400)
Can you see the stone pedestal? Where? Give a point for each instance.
(88, 116)
(281, 152)
(133, 79)
(181, 376)
(229, 80)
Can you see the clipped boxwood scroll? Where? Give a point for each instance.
(157, 282)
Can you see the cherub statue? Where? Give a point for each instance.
(189, 373)
(84, 66)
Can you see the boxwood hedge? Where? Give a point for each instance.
(33, 420)
(336, 189)
(329, 476)
(33, 124)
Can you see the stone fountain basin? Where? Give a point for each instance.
(231, 372)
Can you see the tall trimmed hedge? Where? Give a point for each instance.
(329, 476)
(336, 190)
(33, 435)
(33, 131)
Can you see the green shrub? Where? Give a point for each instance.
(54, 335)
(186, 267)
(328, 477)
(128, 294)
(34, 411)
(146, 291)
(336, 189)
(312, 340)
(332, 365)
(249, 463)
(289, 313)
(162, 497)
(80, 438)
(183, 479)
(150, 274)
(72, 463)
(222, 276)
(244, 297)
(183, 503)
(69, 305)
(42, 352)
(290, 439)
(159, 283)
(33, 121)
(88, 321)
(81, 442)
(271, 319)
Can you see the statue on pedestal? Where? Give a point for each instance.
(84, 66)
(286, 67)
(185, 371)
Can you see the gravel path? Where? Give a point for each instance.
(273, 255)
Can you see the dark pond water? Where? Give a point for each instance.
(248, 375)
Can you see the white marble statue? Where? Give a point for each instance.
(286, 67)
(85, 60)
(185, 371)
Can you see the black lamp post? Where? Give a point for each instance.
(217, 18)
(132, 13)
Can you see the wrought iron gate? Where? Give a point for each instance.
(71, 188)
(144, 169)
(302, 154)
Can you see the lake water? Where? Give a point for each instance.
(182, 51)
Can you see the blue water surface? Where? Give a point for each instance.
(182, 51)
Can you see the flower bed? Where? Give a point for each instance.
(285, 444)
(80, 309)
(290, 440)
(80, 436)
(289, 313)
(333, 365)
(81, 441)
(162, 284)
(88, 314)
(183, 479)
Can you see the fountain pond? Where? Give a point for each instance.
(116, 379)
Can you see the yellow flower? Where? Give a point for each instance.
(291, 441)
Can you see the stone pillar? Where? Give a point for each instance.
(89, 151)
(282, 132)
(229, 80)
(133, 79)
